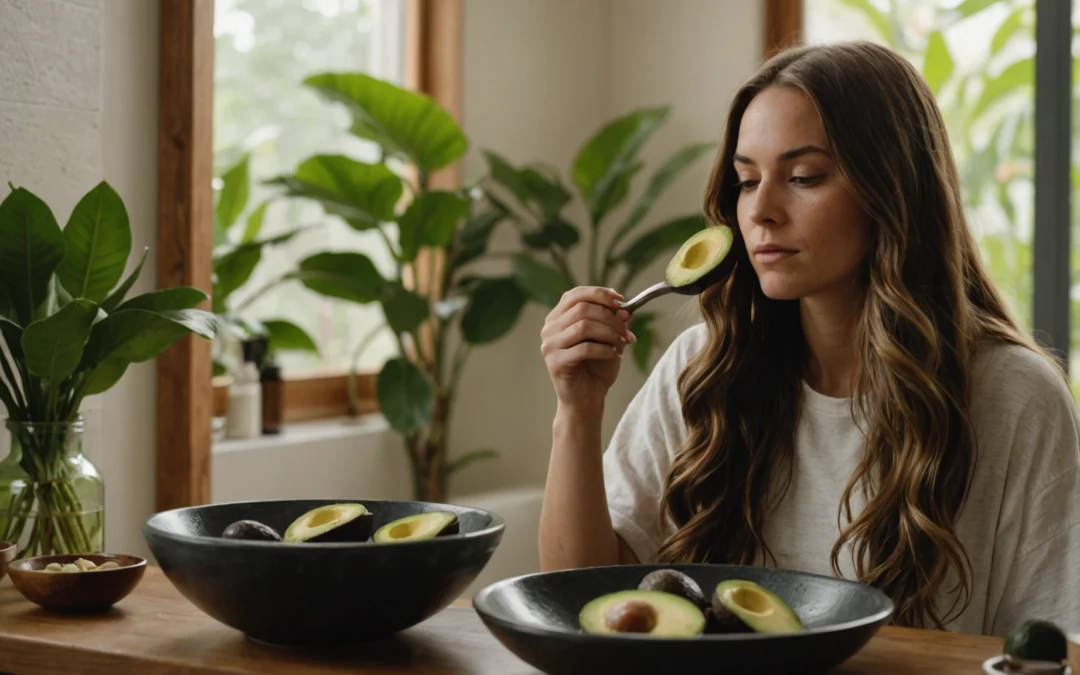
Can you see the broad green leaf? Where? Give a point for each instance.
(471, 457)
(105, 375)
(504, 173)
(641, 325)
(139, 335)
(938, 62)
(874, 16)
(610, 153)
(660, 182)
(970, 7)
(658, 241)
(404, 309)
(405, 396)
(255, 223)
(12, 333)
(493, 309)
(287, 336)
(97, 241)
(617, 193)
(363, 194)
(548, 194)
(402, 121)
(117, 296)
(348, 276)
(559, 232)
(232, 271)
(181, 297)
(7, 311)
(234, 194)
(220, 368)
(543, 283)
(241, 327)
(31, 247)
(1016, 21)
(53, 347)
(475, 234)
(1017, 75)
(430, 220)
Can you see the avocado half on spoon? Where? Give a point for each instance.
(693, 268)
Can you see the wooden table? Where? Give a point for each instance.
(155, 631)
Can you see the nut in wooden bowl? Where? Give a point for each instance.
(78, 582)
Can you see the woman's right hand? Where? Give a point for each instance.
(582, 342)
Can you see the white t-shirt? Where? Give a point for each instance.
(1020, 524)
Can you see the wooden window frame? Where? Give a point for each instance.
(783, 25)
(187, 397)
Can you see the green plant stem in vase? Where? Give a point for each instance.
(52, 498)
(69, 332)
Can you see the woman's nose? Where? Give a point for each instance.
(765, 205)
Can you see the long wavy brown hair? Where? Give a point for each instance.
(928, 304)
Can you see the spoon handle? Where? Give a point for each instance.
(652, 292)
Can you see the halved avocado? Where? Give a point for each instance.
(418, 526)
(694, 266)
(651, 613)
(333, 522)
(1036, 642)
(737, 603)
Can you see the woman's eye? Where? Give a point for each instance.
(746, 185)
(805, 180)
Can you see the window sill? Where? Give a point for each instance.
(302, 433)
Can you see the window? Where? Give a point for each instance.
(263, 51)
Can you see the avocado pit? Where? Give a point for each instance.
(632, 616)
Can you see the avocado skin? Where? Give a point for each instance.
(250, 530)
(728, 620)
(356, 529)
(1037, 640)
(676, 583)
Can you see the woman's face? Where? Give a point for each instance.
(804, 233)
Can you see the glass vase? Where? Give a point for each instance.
(52, 498)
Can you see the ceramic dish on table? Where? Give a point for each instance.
(385, 572)
(101, 580)
(537, 617)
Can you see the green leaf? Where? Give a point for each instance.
(97, 241)
(404, 309)
(938, 62)
(620, 190)
(139, 335)
(53, 346)
(874, 16)
(504, 173)
(181, 297)
(402, 121)
(232, 271)
(363, 194)
(559, 233)
(641, 325)
(254, 223)
(662, 239)
(348, 276)
(12, 333)
(1016, 76)
(548, 194)
(493, 309)
(660, 182)
(970, 7)
(234, 194)
(470, 457)
(475, 234)
(405, 396)
(430, 220)
(31, 248)
(543, 283)
(1017, 20)
(7, 311)
(609, 154)
(220, 368)
(117, 296)
(285, 335)
(105, 375)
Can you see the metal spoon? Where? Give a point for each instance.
(650, 293)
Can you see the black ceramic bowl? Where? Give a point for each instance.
(318, 595)
(536, 617)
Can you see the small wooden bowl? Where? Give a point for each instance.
(80, 592)
(8, 549)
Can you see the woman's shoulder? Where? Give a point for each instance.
(1014, 376)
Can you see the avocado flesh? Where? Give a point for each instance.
(1036, 641)
(331, 523)
(736, 602)
(695, 266)
(674, 616)
(418, 526)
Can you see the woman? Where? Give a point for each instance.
(857, 401)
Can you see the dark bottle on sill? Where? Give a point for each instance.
(273, 397)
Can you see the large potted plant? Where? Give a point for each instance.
(69, 331)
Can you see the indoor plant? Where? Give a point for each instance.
(69, 332)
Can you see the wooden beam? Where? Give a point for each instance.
(783, 24)
(184, 249)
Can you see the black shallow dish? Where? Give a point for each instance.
(536, 617)
(318, 595)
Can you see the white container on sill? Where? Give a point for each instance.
(245, 404)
